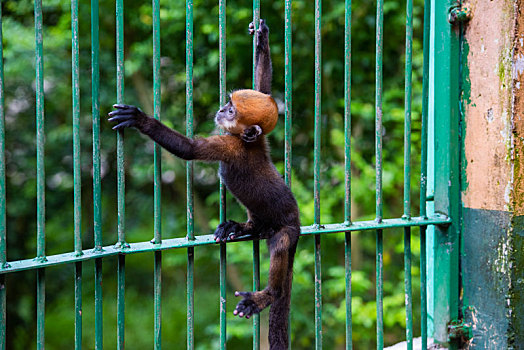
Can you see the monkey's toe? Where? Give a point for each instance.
(263, 28)
(245, 307)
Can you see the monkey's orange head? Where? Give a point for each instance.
(255, 108)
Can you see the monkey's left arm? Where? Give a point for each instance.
(213, 148)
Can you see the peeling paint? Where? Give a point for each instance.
(501, 262)
(508, 191)
(489, 115)
(518, 66)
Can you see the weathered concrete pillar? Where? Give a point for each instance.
(492, 248)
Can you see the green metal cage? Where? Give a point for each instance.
(439, 120)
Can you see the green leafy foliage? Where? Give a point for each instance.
(18, 41)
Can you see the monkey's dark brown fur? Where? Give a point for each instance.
(248, 172)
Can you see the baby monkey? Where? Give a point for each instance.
(246, 169)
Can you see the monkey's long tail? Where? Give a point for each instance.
(279, 312)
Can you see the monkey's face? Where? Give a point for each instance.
(226, 118)
(248, 108)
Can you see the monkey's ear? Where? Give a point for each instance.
(251, 134)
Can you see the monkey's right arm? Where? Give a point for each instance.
(214, 148)
(263, 66)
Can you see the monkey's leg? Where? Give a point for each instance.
(278, 283)
(264, 67)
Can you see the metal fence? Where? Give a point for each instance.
(122, 248)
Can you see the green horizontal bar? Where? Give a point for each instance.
(436, 219)
(183, 242)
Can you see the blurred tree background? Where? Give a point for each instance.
(18, 41)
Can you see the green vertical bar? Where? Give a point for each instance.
(407, 175)
(158, 301)
(3, 228)
(78, 305)
(189, 174)
(256, 19)
(223, 95)
(77, 176)
(120, 134)
(95, 100)
(120, 317)
(378, 107)
(99, 327)
(189, 114)
(407, 114)
(423, 175)
(157, 292)
(347, 112)
(288, 95)
(288, 91)
(407, 288)
(447, 171)
(347, 159)
(40, 170)
(222, 50)
(223, 252)
(256, 286)
(347, 256)
(156, 106)
(223, 296)
(40, 177)
(318, 294)
(423, 290)
(424, 117)
(77, 172)
(97, 183)
(40, 309)
(318, 110)
(378, 162)
(120, 177)
(318, 82)
(190, 298)
(380, 290)
(256, 243)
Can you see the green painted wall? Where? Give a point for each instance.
(486, 276)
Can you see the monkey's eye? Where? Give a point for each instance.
(230, 111)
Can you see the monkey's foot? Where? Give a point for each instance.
(247, 306)
(227, 231)
(262, 31)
